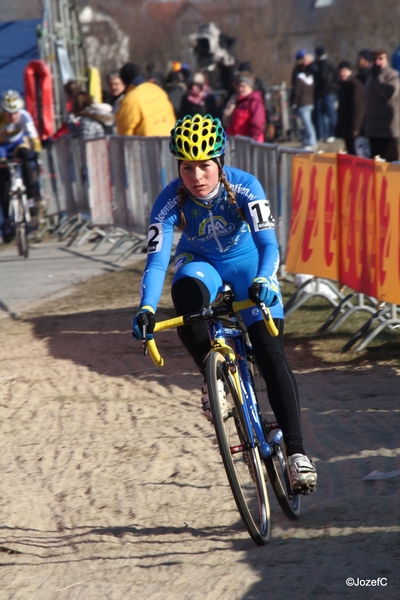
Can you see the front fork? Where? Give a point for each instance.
(20, 209)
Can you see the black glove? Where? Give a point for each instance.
(376, 70)
(263, 291)
(144, 318)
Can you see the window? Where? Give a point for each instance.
(323, 3)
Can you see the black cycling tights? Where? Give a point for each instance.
(191, 295)
(5, 181)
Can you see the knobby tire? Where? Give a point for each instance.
(22, 240)
(279, 479)
(244, 469)
(276, 465)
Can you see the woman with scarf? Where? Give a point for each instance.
(198, 99)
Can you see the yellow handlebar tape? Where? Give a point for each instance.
(151, 344)
(178, 321)
(168, 324)
(154, 353)
(268, 320)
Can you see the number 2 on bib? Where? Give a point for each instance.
(154, 238)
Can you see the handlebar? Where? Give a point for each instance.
(6, 163)
(207, 313)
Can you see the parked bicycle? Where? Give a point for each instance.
(246, 437)
(19, 208)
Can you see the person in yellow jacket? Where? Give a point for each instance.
(145, 109)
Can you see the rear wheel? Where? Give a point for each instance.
(242, 462)
(276, 465)
(278, 474)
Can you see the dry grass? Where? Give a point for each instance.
(301, 335)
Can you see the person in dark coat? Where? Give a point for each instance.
(326, 86)
(382, 119)
(303, 101)
(176, 89)
(364, 64)
(351, 108)
(198, 99)
(298, 68)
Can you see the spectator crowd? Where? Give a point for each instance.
(359, 105)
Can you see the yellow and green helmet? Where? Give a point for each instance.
(197, 138)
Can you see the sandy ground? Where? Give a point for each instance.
(112, 486)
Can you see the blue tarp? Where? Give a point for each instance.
(396, 59)
(18, 46)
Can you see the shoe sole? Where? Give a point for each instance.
(305, 485)
(305, 488)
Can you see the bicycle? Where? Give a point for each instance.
(245, 436)
(19, 208)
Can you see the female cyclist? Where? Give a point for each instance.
(228, 236)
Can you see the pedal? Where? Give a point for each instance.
(305, 491)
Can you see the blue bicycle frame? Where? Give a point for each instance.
(250, 407)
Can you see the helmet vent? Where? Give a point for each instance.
(197, 138)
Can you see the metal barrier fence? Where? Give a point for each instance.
(114, 181)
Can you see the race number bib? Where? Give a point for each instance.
(154, 238)
(260, 211)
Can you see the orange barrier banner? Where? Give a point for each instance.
(387, 178)
(358, 231)
(313, 240)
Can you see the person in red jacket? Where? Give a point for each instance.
(248, 115)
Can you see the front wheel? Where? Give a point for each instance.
(22, 240)
(241, 461)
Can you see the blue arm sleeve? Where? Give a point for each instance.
(153, 276)
(262, 224)
(164, 217)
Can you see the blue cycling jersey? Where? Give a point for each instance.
(215, 235)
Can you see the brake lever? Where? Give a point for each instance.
(265, 312)
(144, 333)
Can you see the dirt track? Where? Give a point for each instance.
(112, 486)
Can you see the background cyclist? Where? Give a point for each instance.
(228, 236)
(18, 138)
